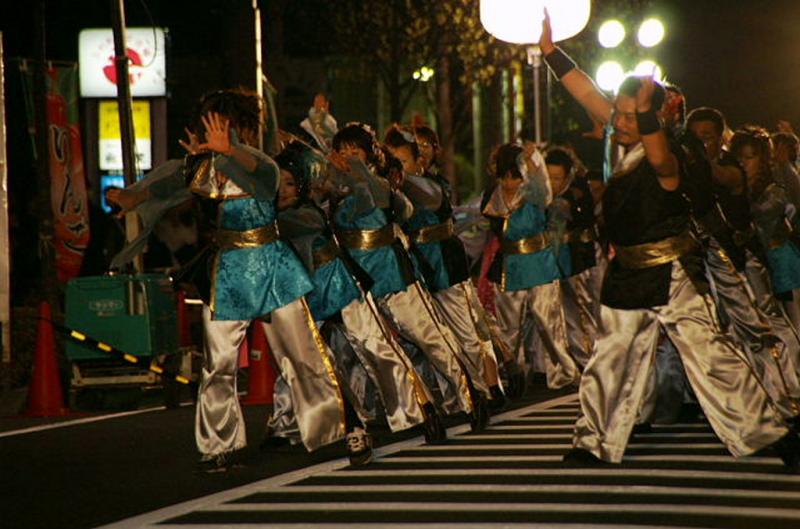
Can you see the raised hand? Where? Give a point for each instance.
(644, 95)
(218, 136)
(193, 145)
(339, 161)
(546, 40)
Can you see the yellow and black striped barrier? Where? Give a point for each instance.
(113, 351)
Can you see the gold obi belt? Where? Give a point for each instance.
(656, 253)
(575, 236)
(254, 238)
(529, 245)
(366, 239)
(326, 254)
(435, 233)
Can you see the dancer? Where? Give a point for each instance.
(246, 274)
(655, 280)
(364, 224)
(339, 301)
(525, 268)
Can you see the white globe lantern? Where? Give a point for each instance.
(651, 32)
(520, 21)
(610, 75)
(649, 68)
(611, 33)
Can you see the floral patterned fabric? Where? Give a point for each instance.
(524, 271)
(439, 279)
(381, 263)
(334, 289)
(252, 282)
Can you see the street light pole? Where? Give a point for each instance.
(535, 60)
(125, 117)
(259, 73)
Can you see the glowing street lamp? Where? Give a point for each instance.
(520, 22)
(649, 68)
(611, 34)
(651, 32)
(424, 74)
(610, 75)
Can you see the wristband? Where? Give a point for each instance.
(648, 122)
(559, 63)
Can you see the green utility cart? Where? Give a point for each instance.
(133, 313)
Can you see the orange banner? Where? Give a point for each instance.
(68, 181)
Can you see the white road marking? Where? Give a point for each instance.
(85, 420)
(727, 483)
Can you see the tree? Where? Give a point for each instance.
(395, 37)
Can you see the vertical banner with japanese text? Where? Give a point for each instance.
(68, 182)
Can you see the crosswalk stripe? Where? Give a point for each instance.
(610, 470)
(534, 458)
(676, 475)
(567, 508)
(301, 490)
(472, 443)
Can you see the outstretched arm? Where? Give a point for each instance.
(575, 80)
(253, 171)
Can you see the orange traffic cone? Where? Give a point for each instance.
(44, 397)
(262, 374)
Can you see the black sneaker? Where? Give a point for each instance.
(788, 448)
(213, 463)
(435, 432)
(584, 458)
(270, 442)
(479, 419)
(359, 447)
(639, 429)
(498, 400)
(794, 423)
(515, 388)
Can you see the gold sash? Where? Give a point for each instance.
(435, 233)
(584, 235)
(529, 245)
(366, 239)
(656, 253)
(326, 254)
(254, 238)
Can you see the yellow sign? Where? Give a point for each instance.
(110, 139)
(109, 120)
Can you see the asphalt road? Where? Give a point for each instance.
(94, 468)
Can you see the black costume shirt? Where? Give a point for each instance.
(638, 210)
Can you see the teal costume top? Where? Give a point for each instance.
(245, 282)
(371, 205)
(382, 264)
(443, 262)
(437, 277)
(523, 271)
(251, 282)
(776, 235)
(523, 218)
(334, 286)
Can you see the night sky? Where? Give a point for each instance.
(741, 56)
